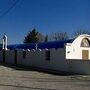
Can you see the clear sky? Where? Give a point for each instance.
(46, 16)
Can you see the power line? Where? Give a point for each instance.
(9, 9)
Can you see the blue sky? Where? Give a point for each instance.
(46, 16)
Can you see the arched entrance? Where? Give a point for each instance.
(85, 53)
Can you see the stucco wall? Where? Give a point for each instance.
(9, 56)
(75, 53)
(57, 61)
(33, 58)
(37, 58)
(79, 66)
(74, 50)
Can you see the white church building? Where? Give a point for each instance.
(68, 56)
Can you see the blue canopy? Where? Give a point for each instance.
(48, 45)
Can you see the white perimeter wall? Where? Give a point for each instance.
(79, 66)
(57, 61)
(38, 59)
(9, 56)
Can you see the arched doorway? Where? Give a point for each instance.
(85, 53)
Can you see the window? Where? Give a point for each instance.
(85, 42)
(47, 55)
(24, 54)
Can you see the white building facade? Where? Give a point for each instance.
(79, 48)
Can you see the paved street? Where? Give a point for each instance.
(16, 78)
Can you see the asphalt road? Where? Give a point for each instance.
(16, 78)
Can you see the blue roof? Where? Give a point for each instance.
(48, 45)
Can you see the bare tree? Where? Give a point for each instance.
(79, 32)
(41, 37)
(58, 36)
(46, 38)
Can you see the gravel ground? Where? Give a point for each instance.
(16, 78)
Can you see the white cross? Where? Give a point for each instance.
(36, 46)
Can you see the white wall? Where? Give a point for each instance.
(75, 53)
(57, 61)
(33, 58)
(78, 66)
(74, 50)
(9, 56)
(37, 59)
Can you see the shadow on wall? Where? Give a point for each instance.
(28, 68)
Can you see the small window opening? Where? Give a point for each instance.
(24, 54)
(48, 55)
